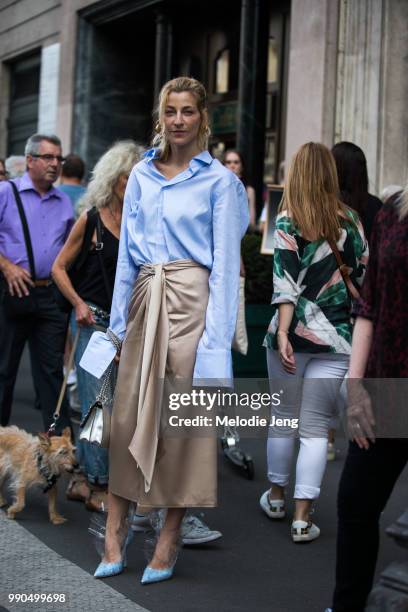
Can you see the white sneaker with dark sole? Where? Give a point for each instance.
(274, 508)
(304, 531)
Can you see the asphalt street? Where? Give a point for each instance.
(255, 566)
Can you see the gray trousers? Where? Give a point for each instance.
(309, 396)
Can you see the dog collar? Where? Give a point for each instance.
(45, 472)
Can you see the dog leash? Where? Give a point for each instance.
(56, 414)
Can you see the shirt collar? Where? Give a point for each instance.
(25, 184)
(203, 157)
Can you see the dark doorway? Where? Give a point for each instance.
(115, 75)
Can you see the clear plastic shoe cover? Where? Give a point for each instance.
(157, 519)
(97, 529)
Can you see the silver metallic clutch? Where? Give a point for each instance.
(95, 426)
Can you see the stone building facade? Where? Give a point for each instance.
(278, 73)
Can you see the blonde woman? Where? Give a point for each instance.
(91, 298)
(310, 333)
(174, 313)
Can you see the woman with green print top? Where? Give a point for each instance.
(309, 338)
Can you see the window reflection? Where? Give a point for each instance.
(272, 60)
(222, 66)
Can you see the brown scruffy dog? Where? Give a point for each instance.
(28, 460)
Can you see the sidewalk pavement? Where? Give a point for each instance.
(28, 566)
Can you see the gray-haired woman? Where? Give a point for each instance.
(91, 298)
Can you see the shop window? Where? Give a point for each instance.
(222, 70)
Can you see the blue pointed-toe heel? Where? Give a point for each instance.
(156, 575)
(150, 574)
(104, 570)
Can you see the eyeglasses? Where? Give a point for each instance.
(49, 158)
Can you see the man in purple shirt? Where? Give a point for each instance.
(49, 218)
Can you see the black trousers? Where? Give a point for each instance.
(45, 332)
(366, 484)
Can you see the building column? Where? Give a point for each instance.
(68, 60)
(359, 79)
(312, 74)
(253, 55)
(393, 130)
(164, 52)
(49, 80)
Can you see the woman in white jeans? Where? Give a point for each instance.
(309, 338)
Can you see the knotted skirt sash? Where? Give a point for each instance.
(167, 299)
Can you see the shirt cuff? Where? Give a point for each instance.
(285, 298)
(362, 309)
(98, 354)
(213, 368)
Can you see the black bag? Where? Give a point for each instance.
(63, 304)
(16, 307)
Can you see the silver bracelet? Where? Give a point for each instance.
(114, 339)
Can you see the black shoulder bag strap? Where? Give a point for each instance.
(87, 241)
(99, 249)
(25, 229)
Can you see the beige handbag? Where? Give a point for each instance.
(240, 341)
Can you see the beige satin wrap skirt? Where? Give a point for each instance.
(166, 320)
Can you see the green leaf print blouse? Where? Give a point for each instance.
(306, 274)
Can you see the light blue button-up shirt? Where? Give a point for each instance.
(200, 214)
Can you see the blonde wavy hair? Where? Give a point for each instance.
(117, 160)
(311, 193)
(178, 85)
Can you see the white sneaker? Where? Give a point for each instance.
(304, 531)
(274, 508)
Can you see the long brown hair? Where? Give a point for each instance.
(311, 193)
(178, 85)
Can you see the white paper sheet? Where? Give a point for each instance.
(98, 354)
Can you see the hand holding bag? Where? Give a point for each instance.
(95, 426)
